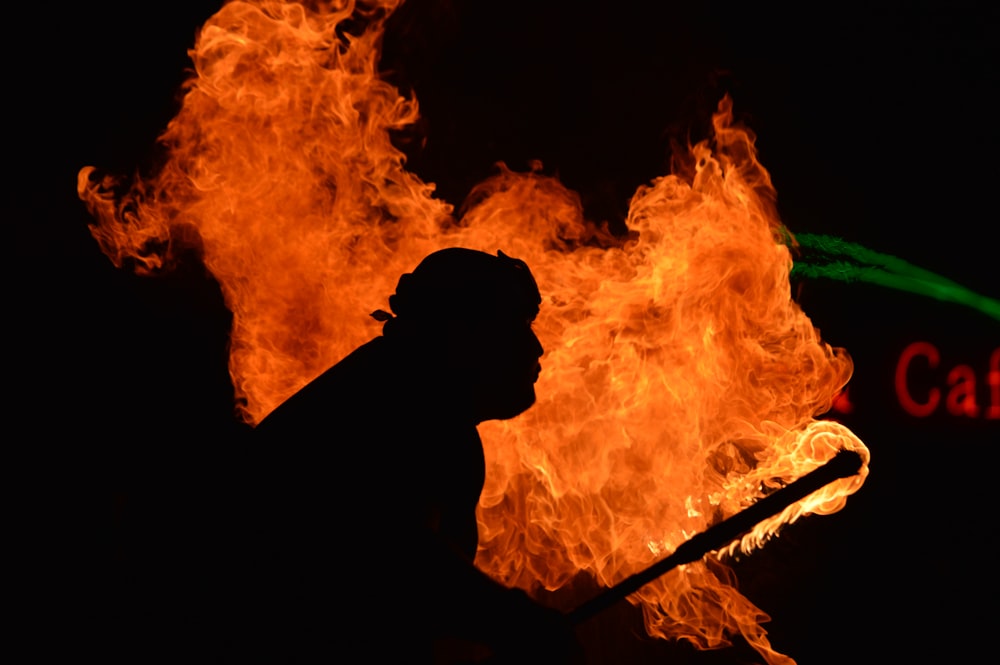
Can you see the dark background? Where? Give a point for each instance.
(876, 121)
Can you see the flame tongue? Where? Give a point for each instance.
(680, 380)
(281, 159)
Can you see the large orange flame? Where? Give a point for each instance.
(680, 382)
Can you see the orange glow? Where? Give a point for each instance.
(842, 402)
(680, 380)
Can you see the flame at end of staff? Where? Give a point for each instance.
(680, 382)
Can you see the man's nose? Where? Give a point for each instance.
(537, 345)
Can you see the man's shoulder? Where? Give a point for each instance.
(342, 388)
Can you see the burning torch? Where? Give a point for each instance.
(844, 464)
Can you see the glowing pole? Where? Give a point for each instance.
(844, 464)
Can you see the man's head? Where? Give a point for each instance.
(471, 313)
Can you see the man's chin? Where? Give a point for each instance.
(511, 408)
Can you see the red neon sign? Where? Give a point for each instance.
(917, 399)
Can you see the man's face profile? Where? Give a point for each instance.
(504, 354)
(473, 311)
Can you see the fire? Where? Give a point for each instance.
(680, 380)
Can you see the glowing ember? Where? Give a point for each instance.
(680, 380)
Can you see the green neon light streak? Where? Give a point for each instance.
(834, 258)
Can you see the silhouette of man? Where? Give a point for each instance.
(369, 477)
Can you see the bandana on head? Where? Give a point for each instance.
(459, 283)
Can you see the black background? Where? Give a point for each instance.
(876, 121)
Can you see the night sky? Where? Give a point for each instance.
(877, 124)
